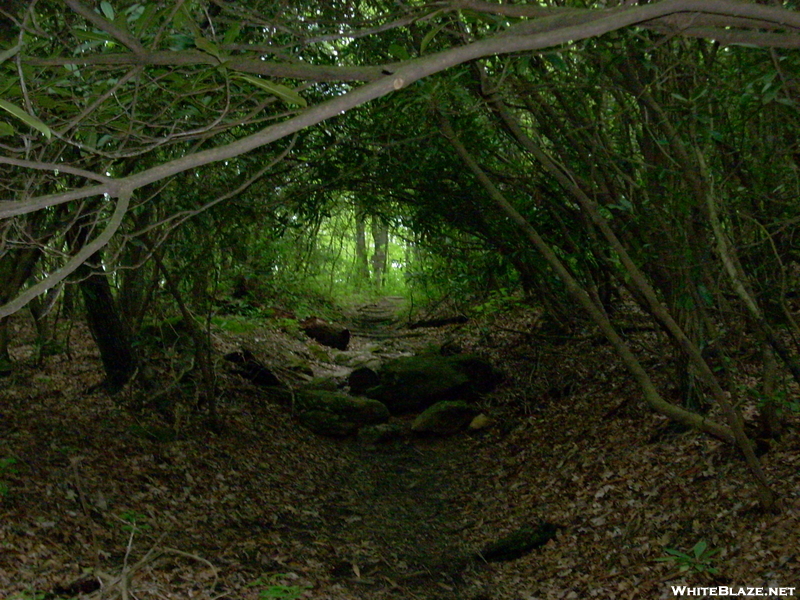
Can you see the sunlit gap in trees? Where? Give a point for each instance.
(358, 252)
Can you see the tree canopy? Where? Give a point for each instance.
(583, 150)
(110, 101)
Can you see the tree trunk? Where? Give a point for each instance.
(15, 268)
(108, 330)
(202, 345)
(362, 263)
(380, 237)
(769, 417)
(5, 357)
(106, 325)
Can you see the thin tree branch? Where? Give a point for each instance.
(73, 263)
(104, 25)
(55, 168)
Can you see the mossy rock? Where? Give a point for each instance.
(519, 543)
(382, 433)
(362, 379)
(324, 422)
(337, 414)
(444, 418)
(356, 408)
(319, 353)
(413, 383)
(322, 383)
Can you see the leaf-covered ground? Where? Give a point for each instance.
(261, 508)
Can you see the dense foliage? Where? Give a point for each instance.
(587, 153)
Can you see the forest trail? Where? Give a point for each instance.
(262, 506)
(347, 520)
(375, 319)
(398, 508)
(397, 511)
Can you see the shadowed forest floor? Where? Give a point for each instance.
(262, 506)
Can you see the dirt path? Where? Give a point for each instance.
(397, 514)
(398, 508)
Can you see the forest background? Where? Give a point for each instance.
(169, 158)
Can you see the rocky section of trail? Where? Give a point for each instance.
(375, 319)
(397, 509)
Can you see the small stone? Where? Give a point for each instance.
(444, 418)
(480, 422)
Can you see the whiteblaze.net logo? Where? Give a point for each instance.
(735, 591)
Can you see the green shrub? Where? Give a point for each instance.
(699, 561)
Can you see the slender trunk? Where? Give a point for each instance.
(335, 264)
(202, 347)
(770, 418)
(107, 328)
(40, 308)
(380, 237)
(740, 285)
(105, 322)
(16, 266)
(362, 263)
(734, 432)
(5, 356)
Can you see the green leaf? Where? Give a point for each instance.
(134, 11)
(180, 41)
(232, 33)
(771, 95)
(145, 18)
(398, 52)
(768, 79)
(183, 20)
(26, 118)
(429, 37)
(699, 548)
(91, 139)
(6, 54)
(108, 10)
(6, 129)
(555, 59)
(207, 46)
(91, 36)
(286, 94)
